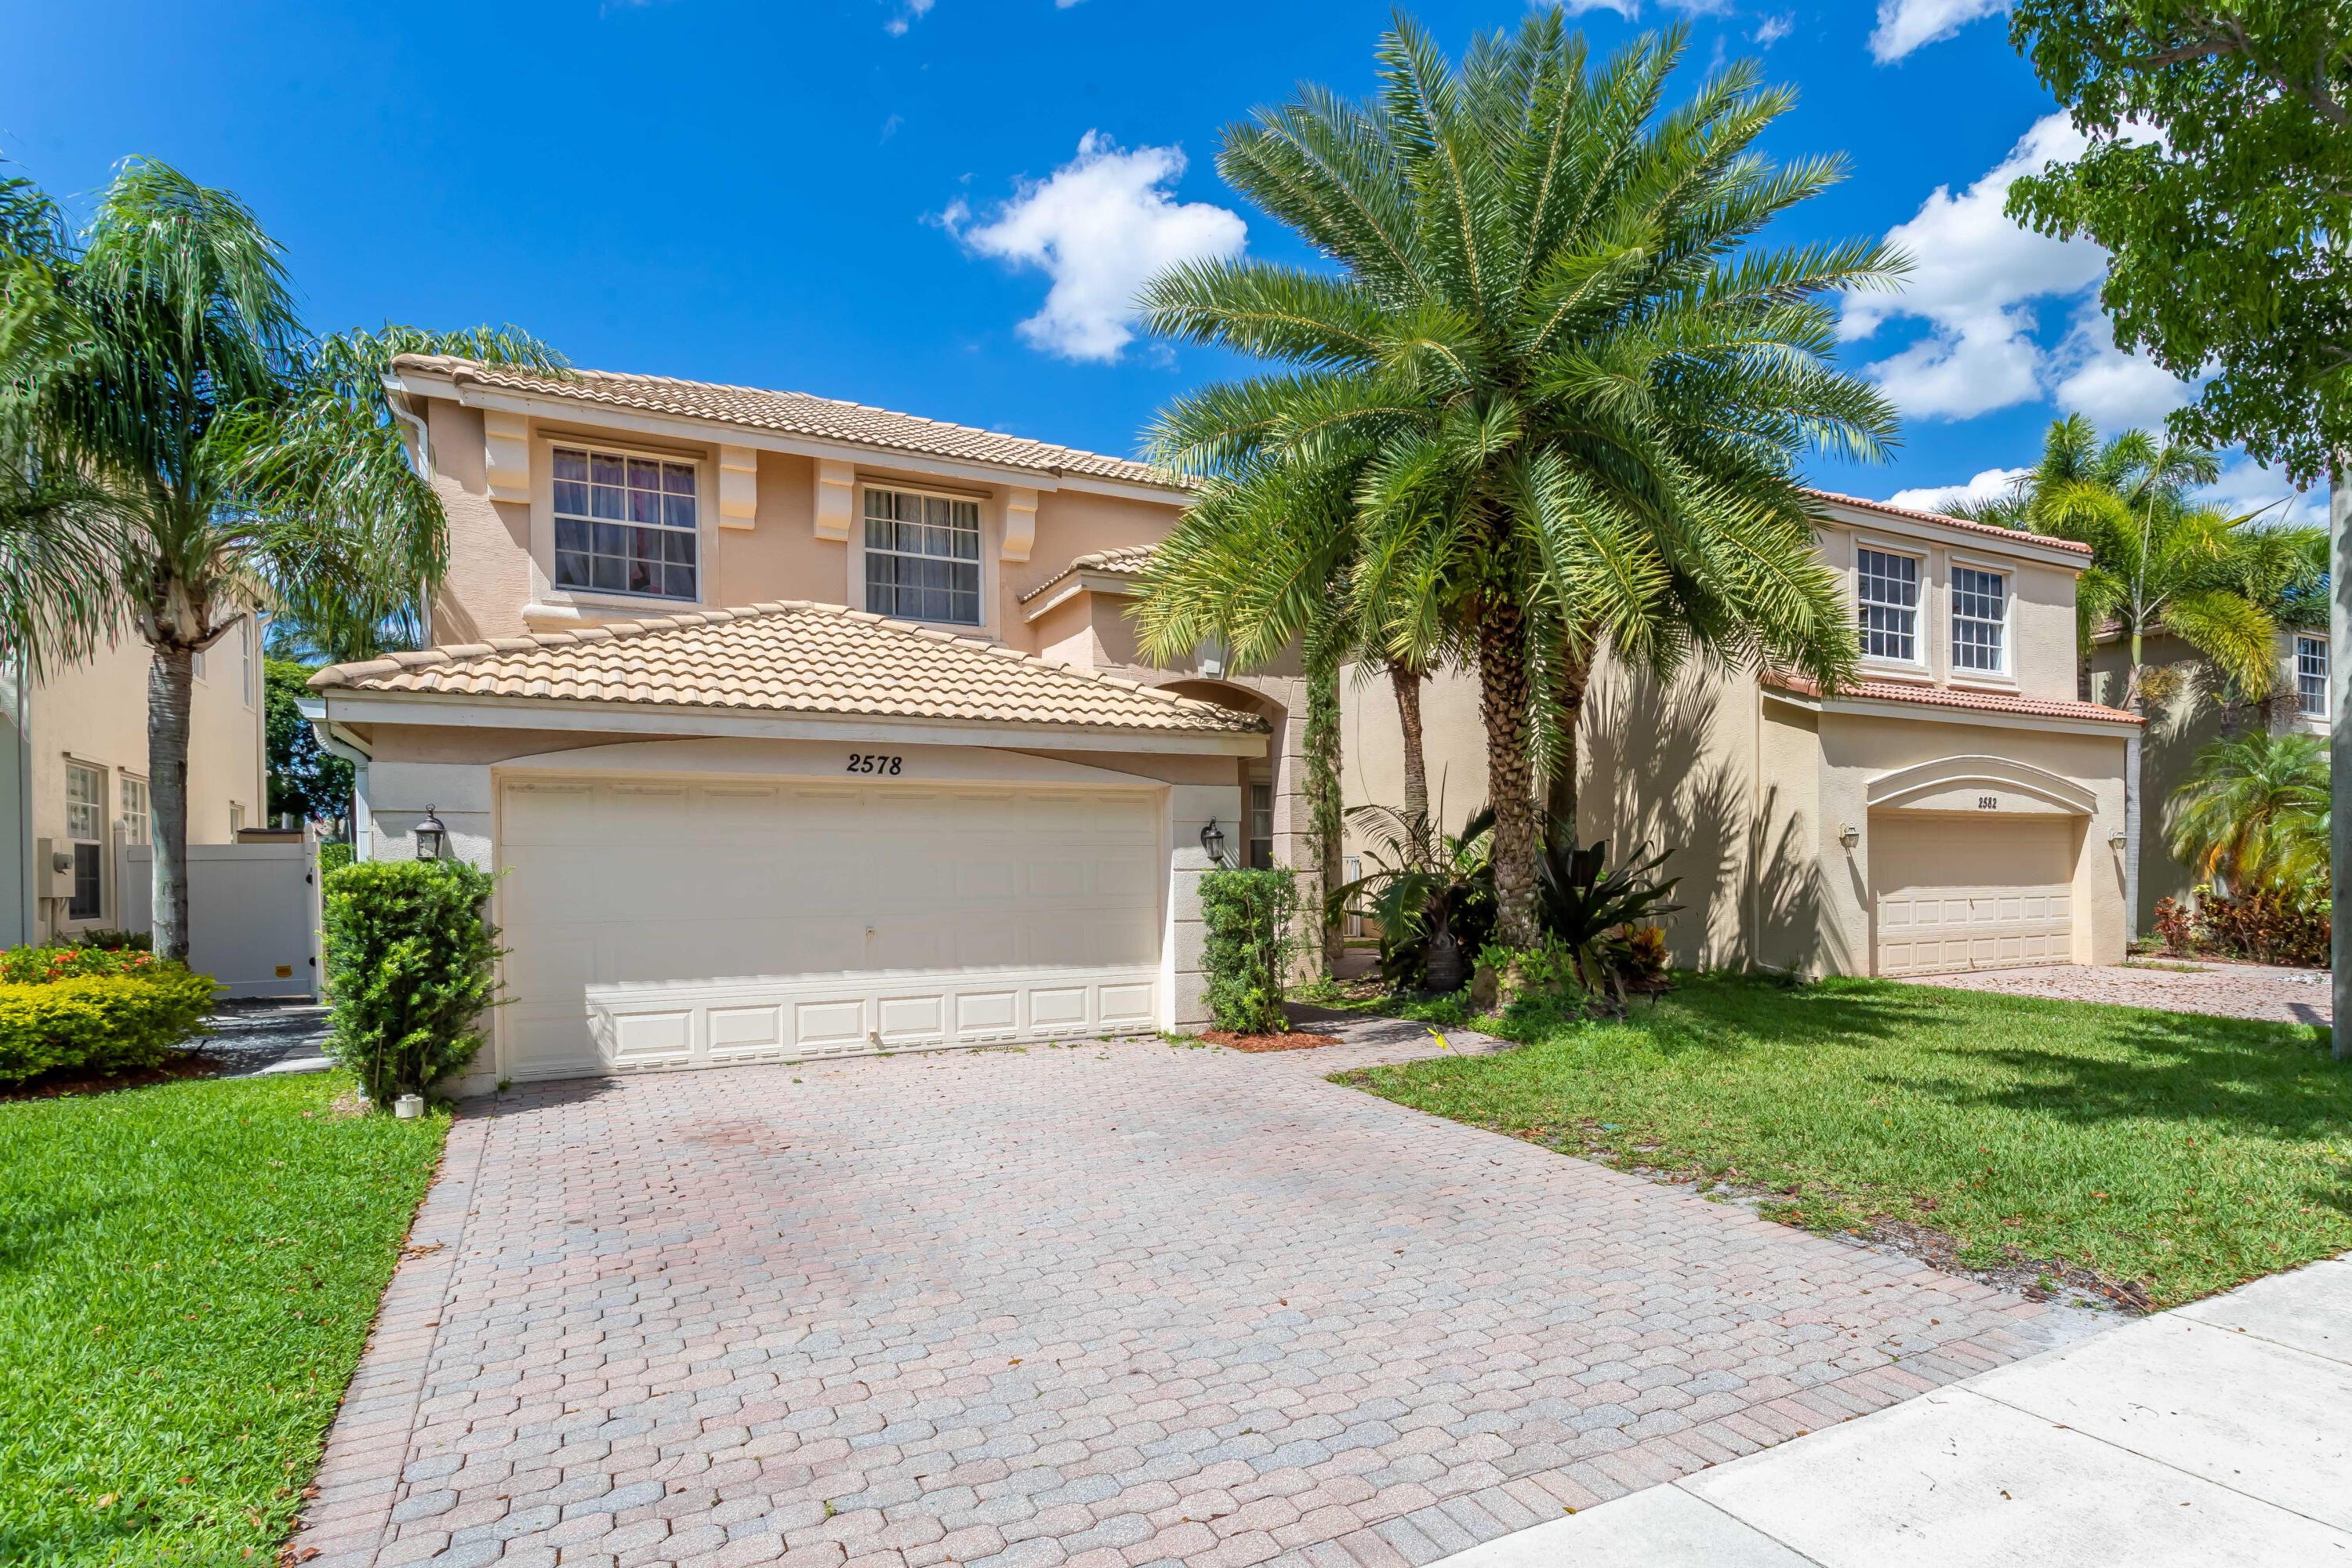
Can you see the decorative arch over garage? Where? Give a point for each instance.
(1972, 861)
(1966, 783)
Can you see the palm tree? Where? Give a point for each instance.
(2250, 814)
(231, 464)
(1568, 398)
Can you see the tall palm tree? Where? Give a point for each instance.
(2249, 813)
(1572, 392)
(232, 463)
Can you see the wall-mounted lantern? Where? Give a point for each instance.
(1851, 837)
(432, 836)
(1213, 840)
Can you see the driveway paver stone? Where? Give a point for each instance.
(1111, 1305)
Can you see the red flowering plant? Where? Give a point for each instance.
(38, 966)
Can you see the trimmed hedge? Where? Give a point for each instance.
(1252, 940)
(106, 1023)
(409, 968)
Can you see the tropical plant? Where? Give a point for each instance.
(1592, 910)
(2250, 814)
(1251, 938)
(1430, 893)
(223, 461)
(411, 970)
(1565, 414)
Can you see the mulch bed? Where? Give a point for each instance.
(1294, 1041)
(67, 1080)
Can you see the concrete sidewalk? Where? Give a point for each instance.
(2219, 1433)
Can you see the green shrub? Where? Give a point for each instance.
(63, 960)
(409, 958)
(333, 857)
(1253, 939)
(117, 940)
(106, 1023)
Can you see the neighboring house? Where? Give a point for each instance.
(1957, 809)
(801, 728)
(76, 795)
(2188, 709)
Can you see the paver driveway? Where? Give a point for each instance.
(1120, 1304)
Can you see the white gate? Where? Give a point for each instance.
(253, 913)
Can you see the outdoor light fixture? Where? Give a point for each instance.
(1213, 840)
(432, 836)
(1849, 836)
(2117, 837)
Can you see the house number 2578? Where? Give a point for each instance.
(871, 762)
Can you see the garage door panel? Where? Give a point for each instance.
(1959, 893)
(659, 923)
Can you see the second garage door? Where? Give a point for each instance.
(673, 924)
(1956, 893)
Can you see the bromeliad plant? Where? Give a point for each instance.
(1597, 915)
(1432, 894)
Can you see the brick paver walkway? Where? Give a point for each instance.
(2222, 990)
(1119, 1305)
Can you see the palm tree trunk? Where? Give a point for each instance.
(171, 678)
(2135, 750)
(1575, 672)
(1325, 822)
(1416, 764)
(1510, 781)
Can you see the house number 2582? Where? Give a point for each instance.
(871, 762)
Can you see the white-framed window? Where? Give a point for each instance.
(1886, 591)
(236, 820)
(2311, 676)
(86, 830)
(626, 524)
(138, 817)
(922, 556)
(1261, 827)
(1980, 620)
(246, 665)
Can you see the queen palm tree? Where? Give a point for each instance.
(228, 463)
(2249, 812)
(1568, 396)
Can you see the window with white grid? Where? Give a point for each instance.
(1979, 619)
(922, 556)
(85, 826)
(1887, 586)
(137, 820)
(624, 524)
(2311, 676)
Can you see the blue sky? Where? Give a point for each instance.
(940, 205)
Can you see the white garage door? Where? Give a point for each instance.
(658, 924)
(1958, 894)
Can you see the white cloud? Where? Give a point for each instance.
(1974, 276)
(1907, 25)
(1772, 29)
(2119, 391)
(1100, 227)
(1992, 484)
(2245, 485)
(915, 11)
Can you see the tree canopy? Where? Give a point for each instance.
(2219, 178)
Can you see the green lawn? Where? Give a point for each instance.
(2180, 1155)
(187, 1274)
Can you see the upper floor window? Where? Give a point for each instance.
(922, 557)
(2311, 676)
(1888, 590)
(624, 524)
(1979, 618)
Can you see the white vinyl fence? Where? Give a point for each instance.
(253, 913)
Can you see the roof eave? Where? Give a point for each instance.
(350, 705)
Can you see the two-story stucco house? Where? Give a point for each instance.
(800, 728)
(74, 780)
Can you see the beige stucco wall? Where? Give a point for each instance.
(96, 712)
